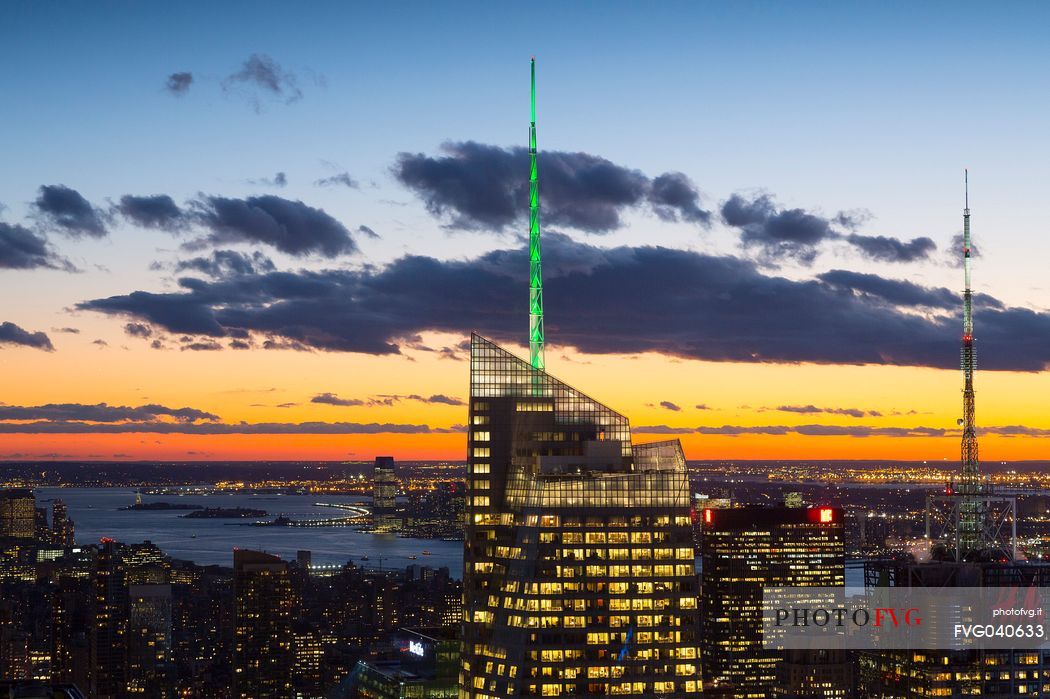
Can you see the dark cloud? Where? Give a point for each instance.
(20, 248)
(798, 234)
(11, 334)
(66, 211)
(674, 196)
(201, 346)
(228, 263)
(893, 291)
(63, 427)
(366, 231)
(138, 330)
(702, 406)
(101, 412)
(716, 308)
(883, 249)
(479, 186)
(100, 342)
(260, 75)
(841, 430)
(778, 233)
(156, 211)
(810, 409)
(668, 405)
(955, 251)
(332, 399)
(70, 331)
(343, 179)
(384, 400)
(288, 225)
(178, 84)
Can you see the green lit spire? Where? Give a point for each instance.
(535, 266)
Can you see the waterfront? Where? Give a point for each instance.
(97, 514)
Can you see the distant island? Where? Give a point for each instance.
(151, 506)
(225, 513)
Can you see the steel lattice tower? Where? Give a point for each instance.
(971, 516)
(535, 265)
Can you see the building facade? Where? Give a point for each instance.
(262, 652)
(579, 574)
(744, 550)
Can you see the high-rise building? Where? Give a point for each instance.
(72, 623)
(18, 513)
(579, 575)
(262, 654)
(384, 495)
(149, 641)
(61, 525)
(111, 622)
(744, 550)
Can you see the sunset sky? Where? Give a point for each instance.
(264, 230)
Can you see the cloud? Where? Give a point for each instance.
(694, 305)
(859, 431)
(702, 406)
(138, 330)
(156, 211)
(178, 84)
(343, 179)
(101, 412)
(477, 186)
(810, 409)
(228, 263)
(201, 346)
(70, 331)
(20, 248)
(893, 291)
(278, 180)
(288, 225)
(366, 231)
(11, 334)
(384, 400)
(66, 427)
(332, 399)
(66, 211)
(261, 76)
(798, 234)
(668, 405)
(285, 224)
(885, 249)
(778, 233)
(674, 196)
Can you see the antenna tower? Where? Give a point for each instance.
(535, 265)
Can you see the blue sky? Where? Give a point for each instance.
(868, 109)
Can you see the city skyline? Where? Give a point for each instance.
(267, 248)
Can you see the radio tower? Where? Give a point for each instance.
(971, 510)
(535, 266)
(972, 521)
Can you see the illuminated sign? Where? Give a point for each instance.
(416, 648)
(707, 516)
(826, 514)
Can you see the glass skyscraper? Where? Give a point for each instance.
(579, 574)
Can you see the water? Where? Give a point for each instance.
(96, 513)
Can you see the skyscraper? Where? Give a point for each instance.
(149, 641)
(384, 495)
(744, 550)
(62, 533)
(579, 563)
(18, 513)
(111, 622)
(262, 655)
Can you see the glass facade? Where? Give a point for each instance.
(744, 550)
(579, 571)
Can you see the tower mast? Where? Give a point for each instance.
(535, 266)
(971, 515)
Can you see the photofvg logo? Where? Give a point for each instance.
(889, 618)
(841, 616)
